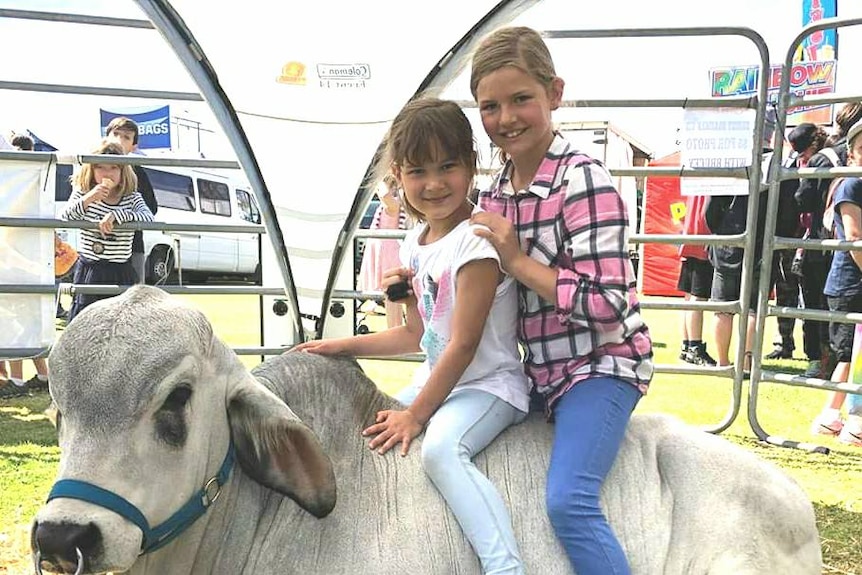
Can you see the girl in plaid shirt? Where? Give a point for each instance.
(560, 228)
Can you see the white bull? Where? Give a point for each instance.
(149, 400)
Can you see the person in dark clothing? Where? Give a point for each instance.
(805, 139)
(726, 215)
(124, 131)
(811, 198)
(810, 142)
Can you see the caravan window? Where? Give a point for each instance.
(247, 207)
(215, 197)
(63, 183)
(172, 190)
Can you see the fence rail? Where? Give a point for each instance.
(187, 54)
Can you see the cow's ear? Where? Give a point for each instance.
(277, 450)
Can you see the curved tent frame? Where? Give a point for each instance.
(178, 34)
(309, 216)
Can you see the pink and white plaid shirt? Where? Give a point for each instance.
(573, 219)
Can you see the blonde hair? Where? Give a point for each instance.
(424, 130)
(85, 178)
(517, 46)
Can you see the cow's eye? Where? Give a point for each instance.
(177, 399)
(171, 417)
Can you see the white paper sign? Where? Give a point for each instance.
(716, 138)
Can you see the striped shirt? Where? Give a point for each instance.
(573, 219)
(117, 247)
(383, 221)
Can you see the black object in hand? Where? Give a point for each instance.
(399, 291)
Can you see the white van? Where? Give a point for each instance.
(193, 196)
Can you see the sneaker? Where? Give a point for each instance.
(814, 369)
(699, 356)
(851, 434)
(780, 352)
(8, 390)
(684, 352)
(829, 422)
(36, 384)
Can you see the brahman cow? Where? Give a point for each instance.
(149, 402)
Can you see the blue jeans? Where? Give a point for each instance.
(590, 422)
(462, 427)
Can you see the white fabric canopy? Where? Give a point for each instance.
(26, 257)
(313, 95)
(305, 91)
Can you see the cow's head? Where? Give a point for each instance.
(148, 402)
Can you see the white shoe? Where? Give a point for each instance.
(829, 422)
(851, 434)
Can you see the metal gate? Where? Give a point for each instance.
(752, 174)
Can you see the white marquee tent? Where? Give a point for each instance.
(305, 91)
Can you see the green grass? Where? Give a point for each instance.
(29, 453)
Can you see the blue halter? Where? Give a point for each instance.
(161, 534)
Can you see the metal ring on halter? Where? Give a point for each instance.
(211, 485)
(78, 569)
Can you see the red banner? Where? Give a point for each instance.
(664, 209)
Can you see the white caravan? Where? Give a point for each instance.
(192, 196)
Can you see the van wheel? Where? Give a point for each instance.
(160, 266)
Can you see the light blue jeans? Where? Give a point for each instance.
(462, 427)
(590, 422)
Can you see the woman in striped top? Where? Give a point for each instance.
(105, 194)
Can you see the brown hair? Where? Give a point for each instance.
(820, 138)
(85, 179)
(517, 46)
(849, 114)
(23, 142)
(423, 130)
(123, 124)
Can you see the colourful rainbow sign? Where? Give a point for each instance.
(806, 78)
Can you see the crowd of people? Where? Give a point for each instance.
(808, 278)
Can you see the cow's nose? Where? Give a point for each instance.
(58, 544)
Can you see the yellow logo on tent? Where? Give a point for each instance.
(292, 73)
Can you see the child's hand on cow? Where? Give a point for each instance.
(322, 347)
(392, 428)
